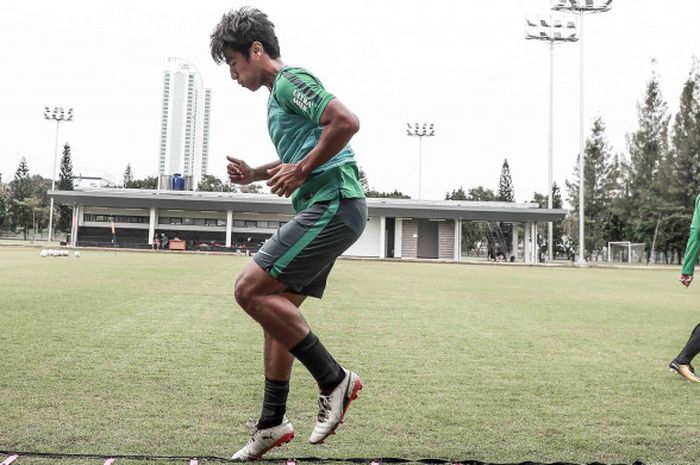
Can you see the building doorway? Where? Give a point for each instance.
(427, 239)
(390, 233)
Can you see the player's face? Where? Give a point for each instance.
(244, 70)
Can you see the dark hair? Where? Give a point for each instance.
(238, 29)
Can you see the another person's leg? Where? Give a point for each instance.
(682, 363)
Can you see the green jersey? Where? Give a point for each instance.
(691, 250)
(294, 111)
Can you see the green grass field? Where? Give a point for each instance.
(147, 353)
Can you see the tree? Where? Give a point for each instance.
(505, 184)
(648, 149)
(685, 184)
(386, 195)
(600, 182)
(473, 233)
(505, 194)
(620, 208)
(559, 244)
(29, 203)
(150, 182)
(481, 194)
(457, 194)
(363, 180)
(680, 171)
(40, 202)
(128, 176)
(65, 177)
(211, 183)
(252, 188)
(20, 191)
(3, 209)
(65, 183)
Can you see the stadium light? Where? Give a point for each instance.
(581, 7)
(59, 116)
(420, 130)
(550, 30)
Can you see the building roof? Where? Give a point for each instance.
(268, 203)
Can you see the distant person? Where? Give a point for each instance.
(164, 241)
(310, 129)
(156, 242)
(681, 364)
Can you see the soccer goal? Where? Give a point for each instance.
(626, 252)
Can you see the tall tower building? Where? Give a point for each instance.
(184, 126)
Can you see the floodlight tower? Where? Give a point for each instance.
(581, 7)
(420, 130)
(552, 30)
(59, 116)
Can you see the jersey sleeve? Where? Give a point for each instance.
(693, 246)
(303, 94)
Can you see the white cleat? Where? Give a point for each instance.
(265, 439)
(332, 407)
(686, 371)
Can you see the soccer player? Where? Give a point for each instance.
(681, 364)
(310, 129)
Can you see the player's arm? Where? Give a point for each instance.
(339, 125)
(239, 172)
(692, 248)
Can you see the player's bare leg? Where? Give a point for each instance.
(273, 429)
(261, 296)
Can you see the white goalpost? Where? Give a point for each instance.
(626, 252)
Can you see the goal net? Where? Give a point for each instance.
(626, 252)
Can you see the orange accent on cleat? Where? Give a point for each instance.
(280, 442)
(353, 396)
(334, 406)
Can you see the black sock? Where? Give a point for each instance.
(274, 403)
(691, 349)
(322, 366)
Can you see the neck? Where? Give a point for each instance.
(272, 68)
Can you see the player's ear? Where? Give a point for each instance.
(257, 49)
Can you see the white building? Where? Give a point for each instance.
(184, 127)
(396, 228)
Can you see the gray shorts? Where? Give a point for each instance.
(302, 252)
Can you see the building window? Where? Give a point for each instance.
(116, 218)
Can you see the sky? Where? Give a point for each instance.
(463, 65)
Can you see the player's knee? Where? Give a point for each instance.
(244, 292)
